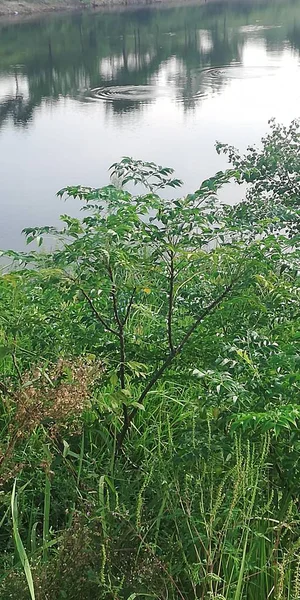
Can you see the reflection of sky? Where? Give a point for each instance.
(72, 142)
(109, 67)
(9, 87)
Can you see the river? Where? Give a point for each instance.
(79, 91)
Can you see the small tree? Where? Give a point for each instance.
(151, 270)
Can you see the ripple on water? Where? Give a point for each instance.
(125, 93)
(211, 80)
(205, 82)
(238, 71)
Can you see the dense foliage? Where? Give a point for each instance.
(150, 390)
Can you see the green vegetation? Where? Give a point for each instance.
(150, 390)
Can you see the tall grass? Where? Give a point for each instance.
(168, 523)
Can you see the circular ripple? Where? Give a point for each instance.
(204, 83)
(238, 71)
(138, 93)
(211, 80)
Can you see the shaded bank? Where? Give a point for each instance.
(15, 9)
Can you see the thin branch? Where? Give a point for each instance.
(4, 389)
(129, 307)
(156, 376)
(186, 337)
(97, 314)
(120, 328)
(120, 325)
(114, 298)
(15, 363)
(91, 304)
(171, 302)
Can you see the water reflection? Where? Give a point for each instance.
(16, 102)
(78, 92)
(130, 59)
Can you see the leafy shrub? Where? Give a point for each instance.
(150, 389)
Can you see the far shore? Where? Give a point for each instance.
(15, 10)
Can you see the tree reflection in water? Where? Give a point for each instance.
(183, 51)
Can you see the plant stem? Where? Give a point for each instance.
(156, 376)
(120, 326)
(129, 307)
(171, 301)
(96, 313)
(17, 367)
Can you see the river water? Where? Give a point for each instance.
(79, 91)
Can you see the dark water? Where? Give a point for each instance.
(79, 91)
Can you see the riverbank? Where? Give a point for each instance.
(13, 9)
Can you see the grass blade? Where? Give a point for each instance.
(46, 518)
(33, 537)
(19, 544)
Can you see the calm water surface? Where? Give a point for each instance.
(79, 91)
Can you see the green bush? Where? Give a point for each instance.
(150, 390)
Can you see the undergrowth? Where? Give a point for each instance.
(150, 391)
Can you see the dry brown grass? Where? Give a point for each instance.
(54, 398)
